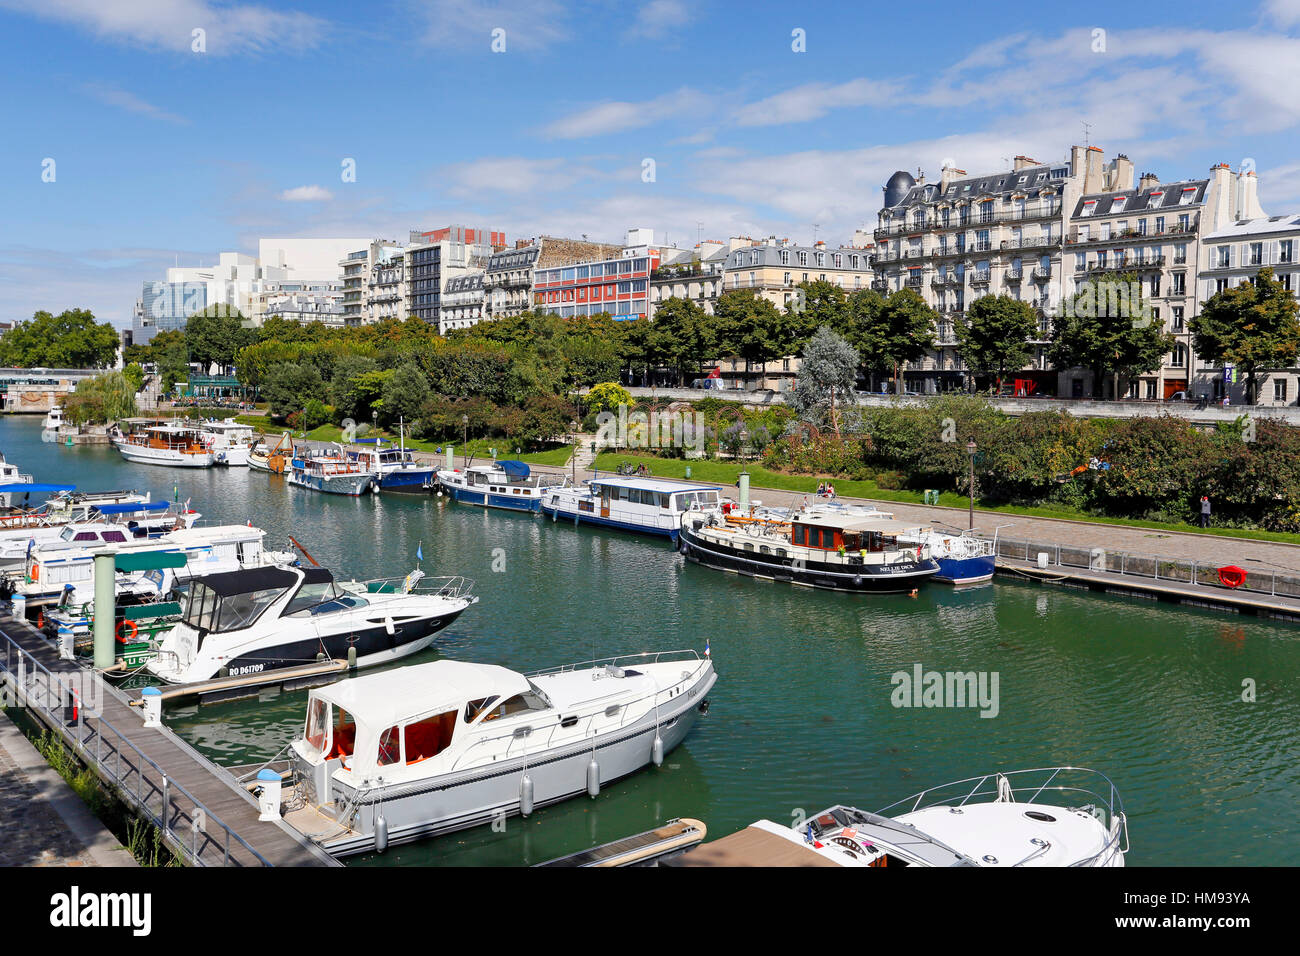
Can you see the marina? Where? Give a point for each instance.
(805, 675)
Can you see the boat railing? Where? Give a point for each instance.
(622, 660)
(449, 586)
(1100, 797)
(533, 740)
(188, 826)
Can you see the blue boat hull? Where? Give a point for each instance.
(406, 480)
(965, 570)
(487, 499)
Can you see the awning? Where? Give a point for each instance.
(150, 560)
(515, 469)
(20, 487)
(128, 507)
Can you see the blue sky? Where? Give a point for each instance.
(164, 154)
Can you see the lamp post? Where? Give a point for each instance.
(464, 431)
(573, 453)
(970, 451)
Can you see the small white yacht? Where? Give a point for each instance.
(230, 442)
(17, 544)
(429, 748)
(263, 619)
(53, 419)
(12, 479)
(1055, 816)
(631, 503)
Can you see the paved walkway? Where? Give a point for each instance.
(46, 823)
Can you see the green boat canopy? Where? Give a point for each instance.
(150, 560)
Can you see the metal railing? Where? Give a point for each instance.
(183, 818)
(1157, 567)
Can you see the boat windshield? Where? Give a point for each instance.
(322, 597)
(210, 611)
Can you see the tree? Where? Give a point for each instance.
(101, 399)
(405, 393)
(608, 396)
(1107, 327)
(751, 327)
(682, 336)
(906, 330)
(817, 303)
(994, 336)
(289, 387)
(71, 339)
(134, 376)
(826, 378)
(350, 400)
(1252, 325)
(216, 334)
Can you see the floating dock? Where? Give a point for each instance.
(207, 817)
(650, 848)
(251, 685)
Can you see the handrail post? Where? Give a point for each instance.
(166, 799)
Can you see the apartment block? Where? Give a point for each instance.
(374, 283)
(693, 275)
(434, 258)
(508, 280)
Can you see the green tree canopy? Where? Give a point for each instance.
(994, 336)
(827, 375)
(71, 339)
(216, 334)
(683, 336)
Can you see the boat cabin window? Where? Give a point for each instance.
(211, 612)
(317, 724)
(428, 737)
(518, 704)
(389, 747)
(343, 741)
(310, 595)
(330, 742)
(690, 500)
(116, 537)
(476, 707)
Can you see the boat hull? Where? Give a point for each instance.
(895, 578)
(965, 570)
(353, 485)
(584, 517)
(147, 456)
(407, 480)
(487, 499)
(459, 800)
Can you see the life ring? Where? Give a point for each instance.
(1232, 576)
(40, 620)
(131, 626)
(36, 572)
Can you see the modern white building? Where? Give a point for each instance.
(374, 282)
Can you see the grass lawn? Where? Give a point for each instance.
(725, 473)
(481, 448)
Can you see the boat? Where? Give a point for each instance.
(180, 446)
(53, 419)
(12, 482)
(137, 630)
(510, 485)
(426, 749)
(861, 553)
(274, 457)
(230, 441)
(1052, 816)
(255, 620)
(963, 559)
(647, 505)
(133, 523)
(395, 469)
(333, 474)
(57, 573)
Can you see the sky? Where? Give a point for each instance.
(130, 142)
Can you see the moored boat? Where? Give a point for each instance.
(230, 441)
(395, 469)
(647, 505)
(430, 748)
(1054, 816)
(510, 485)
(179, 446)
(810, 548)
(332, 474)
(255, 620)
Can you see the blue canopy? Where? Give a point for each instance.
(127, 507)
(20, 487)
(515, 469)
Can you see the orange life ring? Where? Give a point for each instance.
(134, 629)
(1232, 576)
(36, 572)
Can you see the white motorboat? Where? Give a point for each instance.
(17, 544)
(180, 446)
(509, 485)
(12, 479)
(230, 441)
(53, 419)
(51, 571)
(333, 474)
(429, 748)
(630, 503)
(264, 619)
(1055, 816)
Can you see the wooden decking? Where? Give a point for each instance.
(153, 769)
(750, 847)
(672, 838)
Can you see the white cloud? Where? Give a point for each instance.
(659, 18)
(169, 24)
(122, 99)
(614, 117)
(814, 100)
(311, 193)
(1285, 13)
(468, 24)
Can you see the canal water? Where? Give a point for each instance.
(802, 715)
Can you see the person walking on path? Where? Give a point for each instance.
(1205, 511)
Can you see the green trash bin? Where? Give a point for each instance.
(688, 471)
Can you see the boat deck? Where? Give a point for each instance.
(208, 817)
(750, 847)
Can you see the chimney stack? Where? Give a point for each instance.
(1148, 181)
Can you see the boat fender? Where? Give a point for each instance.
(381, 833)
(593, 778)
(683, 546)
(657, 750)
(526, 796)
(352, 657)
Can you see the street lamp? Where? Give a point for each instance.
(464, 431)
(970, 450)
(573, 452)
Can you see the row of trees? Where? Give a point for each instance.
(71, 339)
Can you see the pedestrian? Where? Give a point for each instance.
(1205, 511)
(830, 491)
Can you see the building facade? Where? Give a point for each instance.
(617, 284)
(693, 275)
(434, 258)
(374, 283)
(462, 302)
(508, 280)
(1231, 255)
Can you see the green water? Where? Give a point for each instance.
(801, 716)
